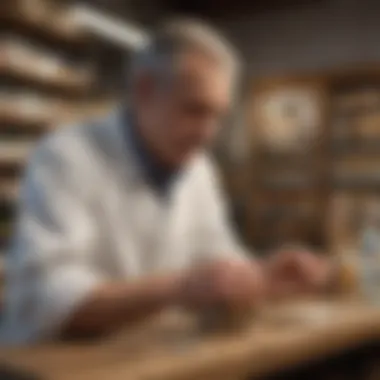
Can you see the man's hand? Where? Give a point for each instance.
(297, 272)
(230, 285)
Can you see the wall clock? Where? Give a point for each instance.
(288, 118)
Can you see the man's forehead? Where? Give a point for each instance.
(197, 63)
(200, 73)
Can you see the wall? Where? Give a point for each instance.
(333, 33)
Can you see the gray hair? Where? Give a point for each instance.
(179, 36)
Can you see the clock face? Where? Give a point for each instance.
(288, 119)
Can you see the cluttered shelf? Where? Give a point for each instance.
(49, 67)
(30, 111)
(9, 190)
(356, 146)
(46, 19)
(23, 62)
(27, 111)
(312, 132)
(14, 153)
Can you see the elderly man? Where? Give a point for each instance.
(123, 217)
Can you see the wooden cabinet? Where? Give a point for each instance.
(313, 138)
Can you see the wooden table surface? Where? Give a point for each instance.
(172, 346)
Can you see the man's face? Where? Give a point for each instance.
(184, 115)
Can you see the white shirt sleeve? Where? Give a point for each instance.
(216, 238)
(47, 270)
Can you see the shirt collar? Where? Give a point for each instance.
(160, 177)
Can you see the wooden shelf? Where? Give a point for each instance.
(287, 185)
(17, 117)
(9, 190)
(45, 20)
(301, 161)
(14, 115)
(23, 63)
(14, 153)
(27, 111)
(360, 183)
(346, 148)
(48, 83)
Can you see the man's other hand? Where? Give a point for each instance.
(232, 285)
(297, 272)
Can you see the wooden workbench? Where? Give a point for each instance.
(172, 347)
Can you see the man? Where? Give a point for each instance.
(123, 217)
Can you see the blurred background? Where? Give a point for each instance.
(301, 162)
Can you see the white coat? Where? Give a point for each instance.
(87, 215)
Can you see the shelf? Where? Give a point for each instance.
(285, 213)
(19, 118)
(14, 153)
(29, 114)
(367, 147)
(286, 196)
(9, 191)
(27, 110)
(301, 161)
(287, 186)
(44, 20)
(26, 63)
(345, 159)
(363, 183)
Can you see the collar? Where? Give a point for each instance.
(159, 176)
